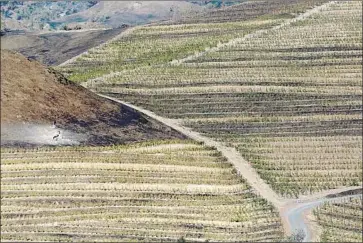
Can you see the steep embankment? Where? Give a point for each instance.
(33, 97)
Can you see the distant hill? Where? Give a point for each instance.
(54, 15)
(115, 13)
(33, 95)
(38, 15)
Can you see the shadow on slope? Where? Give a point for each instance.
(33, 97)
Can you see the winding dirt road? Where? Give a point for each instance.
(292, 211)
(242, 166)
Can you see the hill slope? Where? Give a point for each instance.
(52, 15)
(54, 48)
(115, 13)
(33, 97)
(290, 103)
(165, 192)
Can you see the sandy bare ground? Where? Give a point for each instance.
(34, 97)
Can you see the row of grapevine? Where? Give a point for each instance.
(289, 99)
(341, 221)
(151, 191)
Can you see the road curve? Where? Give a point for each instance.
(296, 219)
(291, 210)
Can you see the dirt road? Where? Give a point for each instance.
(292, 211)
(242, 166)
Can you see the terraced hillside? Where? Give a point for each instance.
(155, 191)
(341, 221)
(287, 97)
(158, 44)
(251, 9)
(146, 46)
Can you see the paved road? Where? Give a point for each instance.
(296, 215)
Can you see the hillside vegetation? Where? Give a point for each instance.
(251, 9)
(341, 221)
(273, 86)
(288, 96)
(38, 15)
(156, 191)
(160, 44)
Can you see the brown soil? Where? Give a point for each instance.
(56, 47)
(32, 93)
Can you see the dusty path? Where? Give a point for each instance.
(322, 194)
(297, 213)
(293, 212)
(242, 166)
